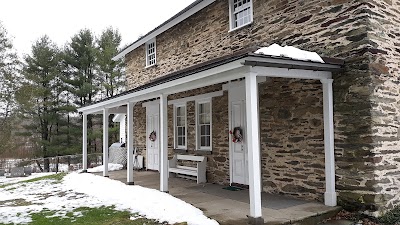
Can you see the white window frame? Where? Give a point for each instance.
(176, 146)
(232, 16)
(198, 147)
(147, 53)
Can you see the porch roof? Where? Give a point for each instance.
(215, 66)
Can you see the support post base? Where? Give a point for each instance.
(330, 198)
(106, 176)
(84, 171)
(130, 183)
(255, 221)
(166, 192)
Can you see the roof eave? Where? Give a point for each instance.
(176, 19)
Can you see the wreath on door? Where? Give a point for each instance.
(237, 135)
(153, 136)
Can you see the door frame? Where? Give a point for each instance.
(155, 103)
(231, 87)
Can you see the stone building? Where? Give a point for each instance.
(195, 78)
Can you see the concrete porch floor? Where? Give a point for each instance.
(232, 207)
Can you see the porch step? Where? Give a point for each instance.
(318, 219)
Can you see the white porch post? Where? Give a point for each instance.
(330, 192)
(84, 143)
(105, 142)
(129, 116)
(163, 143)
(253, 144)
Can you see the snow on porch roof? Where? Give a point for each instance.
(248, 57)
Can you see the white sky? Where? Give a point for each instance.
(27, 20)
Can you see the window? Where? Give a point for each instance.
(241, 13)
(180, 127)
(151, 53)
(203, 125)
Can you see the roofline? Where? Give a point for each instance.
(176, 19)
(246, 59)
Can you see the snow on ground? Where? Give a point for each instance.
(111, 167)
(4, 180)
(88, 190)
(290, 52)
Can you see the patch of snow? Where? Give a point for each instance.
(12, 180)
(88, 190)
(290, 52)
(150, 203)
(111, 167)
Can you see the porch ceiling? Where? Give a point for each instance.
(218, 71)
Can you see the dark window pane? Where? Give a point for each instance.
(203, 141)
(207, 129)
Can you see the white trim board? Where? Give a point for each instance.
(232, 84)
(150, 103)
(152, 34)
(196, 97)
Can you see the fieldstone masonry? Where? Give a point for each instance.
(366, 95)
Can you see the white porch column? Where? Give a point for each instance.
(122, 130)
(130, 143)
(163, 143)
(105, 142)
(330, 192)
(253, 144)
(84, 143)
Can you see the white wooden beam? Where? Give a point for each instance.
(291, 73)
(253, 143)
(196, 97)
(105, 141)
(330, 192)
(122, 130)
(129, 152)
(163, 143)
(84, 143)
(116, 110)
(150, 103)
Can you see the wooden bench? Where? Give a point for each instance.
(199, 172)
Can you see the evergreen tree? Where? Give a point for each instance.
(39, 95)
(110, 72)
(9, 65)
(81, 79)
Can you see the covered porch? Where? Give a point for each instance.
(230, 207)
(250, 69)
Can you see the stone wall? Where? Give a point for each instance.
(291, 136)
(385, 101)
(363, 32)
(292, 143)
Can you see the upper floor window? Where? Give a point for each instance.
(151, 53)
(203, 124)
(241, 13)
(180, 126)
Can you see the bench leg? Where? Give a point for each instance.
(201, 178)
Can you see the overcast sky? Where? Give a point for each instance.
(27, 20)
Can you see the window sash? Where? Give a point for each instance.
(151, 53)
(241, 13)
(204, 140)
(180, 128)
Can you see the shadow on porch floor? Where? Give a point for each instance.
(231, 207)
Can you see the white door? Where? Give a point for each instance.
(152, 147)
(238, 150)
